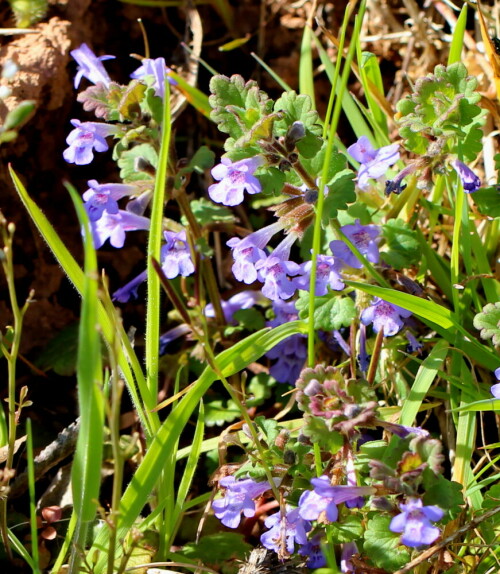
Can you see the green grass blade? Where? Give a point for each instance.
(283, 85)
(127, 360)
(230, 361)
(195, 97)
(19, 547)
(154, 251)
(306, 72)
(86, 469)
(425, 376)
(31, 487)
(457, 42)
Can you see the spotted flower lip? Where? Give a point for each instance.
(234, 179)
(414, 523)
(85, 138)
(113, 226)
(291, 526)
(364, 238)
(384, 316)
(102, 197)
(176, 256)
(90, 66)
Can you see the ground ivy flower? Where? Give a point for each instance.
(384, 316)
(129, 291)
(495, 389)
(325, 497)
(242, 300)
(470, 180)
(363, 237)
(158, 71)
(414, 523)
(102, 197)
(327, 275)
(290, 526)
(374, 162)
(86, 137)
(312, 549)
(239, 497)
(349, 549)
(90, 66)
(234, 179)
(176, 255)
(113, 226)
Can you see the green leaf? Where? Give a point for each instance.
(128, 158)
(217, 548)
(349, 529)
(488, 321)
(492, 497)
(318, 431)
(446, 494)
(102, 101)
(207, 212)
(271, 179)
(257, 390)
(249, 319)
(130, 102)
(299, 108)
(59, 354)
(341, 194)
(330, 311)
(19, 116)
(219, 412)
(403, 244)
(383, 546)
(487, 201)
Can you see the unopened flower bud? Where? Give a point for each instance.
(296, 132)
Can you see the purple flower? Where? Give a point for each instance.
(114, 226)
(364, 237)
(350, 471)
(495, 389)
(403, 431)
(363, 357)
(123, 294)
(312, 549)
(374, 162)
(285, 531)
(239, 497)
(172, 335)
(176, 256)
(414, 523)
(158, 71)
(248, 251)
(242, 300)
(384, 316)
(234, 179)
(349, 549)
(274, 271)
(327, 275)
(104, 196)
(325, 497)
(470, 180)
(413, 346)
(90, 66)
(86, 137)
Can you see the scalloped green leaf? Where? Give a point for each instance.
(383, 546)
(330, 311)
(128, 158)
(349, 529)
(403, 244)
(488, 322)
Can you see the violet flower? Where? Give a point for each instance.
(114, 226)
(102, 197)
(414, 523)
(374, 162)
(349, 549)
(325, 497)
(414, 346)
(363, 237)
(242, 300)
(176, 256)
(90, 66)
(129, 290)
(327, 275)
(158, 71)
(384, 316)
(495, 389)
(238, 497)
(274, 271)
(363, 357)
(470, 180)
(291, 527)
(248, 251)
(86, 137)
(312, 549)
(234, 179)
(291, 353)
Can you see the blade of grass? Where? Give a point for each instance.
(128, 361)
(423, 380)
(31, 488)
(457, 42)
(147, 474)
(283, 85)
(306, 73)
(86, 469)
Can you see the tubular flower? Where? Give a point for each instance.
(234, 179)
(414, 523)
(90, 66)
